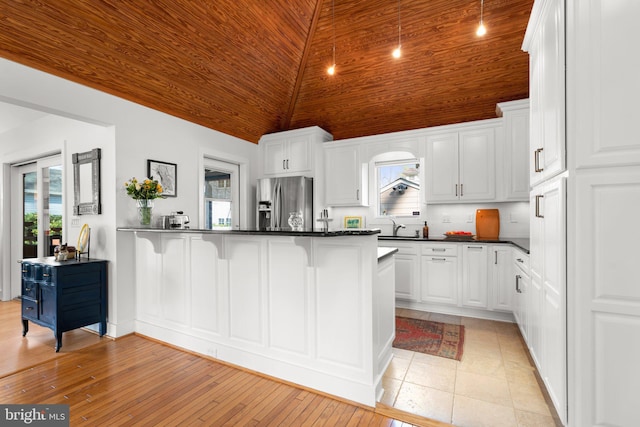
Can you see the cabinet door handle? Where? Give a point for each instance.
(461, 190)
(536, 160)
(496, 257)
(358, 194)
(538, 197)
(287, 163)
(456, 190)
(284, 162)
(518, 277)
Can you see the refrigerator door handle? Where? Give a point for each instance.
(277, 199)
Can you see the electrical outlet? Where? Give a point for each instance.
(470, 218)
(513, 218)
(446, 219)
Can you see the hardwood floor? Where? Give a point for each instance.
(138, 381)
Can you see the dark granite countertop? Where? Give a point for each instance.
(520, 242)
(333, 233)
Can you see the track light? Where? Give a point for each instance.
(332, 69)
(397, 52)
(482, 30)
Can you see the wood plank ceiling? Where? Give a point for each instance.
(247, 67)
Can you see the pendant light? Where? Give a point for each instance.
(332, 69)
(482, 30)
(397, 52)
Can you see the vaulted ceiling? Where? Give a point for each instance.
(249, 67)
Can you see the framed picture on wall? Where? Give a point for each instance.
(352, 222)
(166, 174)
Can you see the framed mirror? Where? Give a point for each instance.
(86, 182)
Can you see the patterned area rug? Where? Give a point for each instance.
(424, 336)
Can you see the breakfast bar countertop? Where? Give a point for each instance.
(330, 233)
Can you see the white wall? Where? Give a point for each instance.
(514, 219)
(131, 135)
(51, 134)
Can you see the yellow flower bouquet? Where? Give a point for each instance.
(148, 189)
(143, 192)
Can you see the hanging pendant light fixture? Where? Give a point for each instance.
(482, 30)
(332, 69)
(397, 52)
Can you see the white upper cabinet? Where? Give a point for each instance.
(515, 183)
(442, 167)
(461, 166)
(604, 102)
(545, 43)
(291, 152)
(345, 175)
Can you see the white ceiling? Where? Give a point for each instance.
(13, 116)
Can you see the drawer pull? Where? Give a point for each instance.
(45, 275)
(474, 247)
(439, 259)
(24, 271)
(28, 308)
(519, 260)
(27, 289)
(439, 249)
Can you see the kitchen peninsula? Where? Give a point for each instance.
(312, 308)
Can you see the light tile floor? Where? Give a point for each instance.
(493, 385)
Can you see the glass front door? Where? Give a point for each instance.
(37, 212)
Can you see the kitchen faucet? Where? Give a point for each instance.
(396, 227)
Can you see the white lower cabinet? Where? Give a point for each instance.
(455, 278)
(407, 269)
(501, 285)
(474, 276)
(439, 274)
(546, 297)
(522, 284)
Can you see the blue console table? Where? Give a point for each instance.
(64, 295)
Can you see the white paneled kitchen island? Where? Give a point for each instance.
(315, 309)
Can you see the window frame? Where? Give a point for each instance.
(376, 164)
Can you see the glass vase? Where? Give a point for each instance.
(145, 211)
(296, 221)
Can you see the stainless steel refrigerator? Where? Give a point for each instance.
(278, 199)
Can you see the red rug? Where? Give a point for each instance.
(425, 336)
